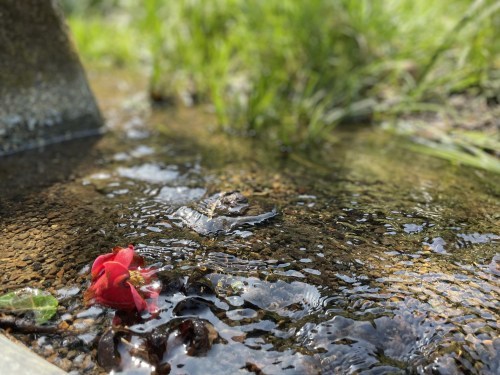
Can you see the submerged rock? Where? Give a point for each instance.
(220, 213)
(123, 349)
(107, 355)
(231, 203)
(198, 336)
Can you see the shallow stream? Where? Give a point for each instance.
(359, 257)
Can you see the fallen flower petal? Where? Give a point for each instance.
(119, 282)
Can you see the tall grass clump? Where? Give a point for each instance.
(292, 69)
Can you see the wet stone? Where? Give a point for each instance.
(23, 236)
(20, 264)
(220, 213)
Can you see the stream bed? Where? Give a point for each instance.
(356, 257)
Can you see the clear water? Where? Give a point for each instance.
(379, 260)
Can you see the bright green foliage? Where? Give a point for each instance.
(104, 43)
(459, 153)
(292, 69)
(42, 304)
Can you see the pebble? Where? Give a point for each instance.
(63, 363)
(20, 264)
(37, 266)
(67, 317)
(87, 363)
(64, 325)
(52, 215)
(48, 350)
(24, 279)
(23, 236)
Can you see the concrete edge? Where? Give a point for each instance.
(18, 359)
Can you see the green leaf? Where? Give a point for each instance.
(41, 303)
(458, 152)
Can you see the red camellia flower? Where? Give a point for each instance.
(120, 281)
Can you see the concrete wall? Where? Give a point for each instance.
(44, 95)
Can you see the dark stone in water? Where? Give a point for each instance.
(192, 306)
(198, 284)
(198, 335)
(170, 282)
(107, 354)
(156, 345)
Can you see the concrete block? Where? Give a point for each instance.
(44, 94)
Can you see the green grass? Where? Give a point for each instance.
(473, 148)
(106, 44)
(290, 70)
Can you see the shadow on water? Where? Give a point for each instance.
(32, 171)
(379, 260)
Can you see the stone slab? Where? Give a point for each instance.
(19, 360)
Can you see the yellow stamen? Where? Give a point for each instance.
(136, 278)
